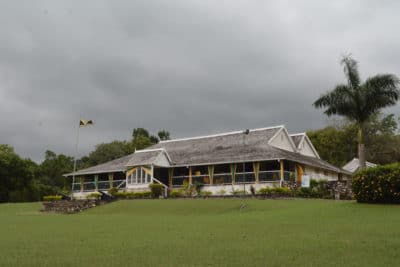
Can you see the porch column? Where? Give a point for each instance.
(190, 175)
(96, 182)
(256, 170)
(170, 174)
(211, 174)
(152, 173)
(300, 172)
(282, 171)
(111, 180)
(82, 181)
(233, 172)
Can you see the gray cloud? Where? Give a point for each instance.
(192, 67)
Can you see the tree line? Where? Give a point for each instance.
(24, 180)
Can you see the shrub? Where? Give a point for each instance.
(275, 192)
(94, 195)
(252, 191)
(205, 193)
(282, 191)
(197, 187)
(145, 194)
(305, 192)
(265, 191)
(156, 190)
(221, 192)
(52, 198)
(317, 189)
(237, 192)
(176, 193)
(188, 189)
(380, 184)
(132, 195)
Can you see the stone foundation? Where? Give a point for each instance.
(71, 206)
(338, 189)
(341, 189)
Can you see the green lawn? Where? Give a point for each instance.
(203, 233)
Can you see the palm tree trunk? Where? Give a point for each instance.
(361, 148)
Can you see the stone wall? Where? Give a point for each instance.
(338, 189)
(341, 189)
(71, 206)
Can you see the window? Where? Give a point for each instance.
(139, 176)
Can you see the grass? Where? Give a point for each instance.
(211, 232)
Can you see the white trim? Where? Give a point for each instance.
(296, 134)
(287, 135)
(311, 145)
(307, 139)
(220, 134)
(161, 149)
(150, 150)
(93, 172)
(301, 142)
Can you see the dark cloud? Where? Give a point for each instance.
(192, 67)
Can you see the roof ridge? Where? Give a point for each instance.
(296, 134)
(150, 150)
(220, 134)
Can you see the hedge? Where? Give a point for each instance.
(156, 190)
(275, 192)
(52, 198)
(380, 184)
(132, 195)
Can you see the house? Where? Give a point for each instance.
(353, 165)
(221, 162)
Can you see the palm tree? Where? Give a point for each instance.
(359, 101)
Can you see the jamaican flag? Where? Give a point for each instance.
(83, 122)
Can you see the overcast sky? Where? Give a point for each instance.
(191, 67)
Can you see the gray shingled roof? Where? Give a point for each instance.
(224, 148)
(116, 165)
(144, 158)
(353, 165)
(219, 148)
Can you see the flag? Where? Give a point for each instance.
(83, 123)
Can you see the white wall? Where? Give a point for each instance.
(137, 187)
(320, 174)
(306, 149)
(216, 189)
(282, 141)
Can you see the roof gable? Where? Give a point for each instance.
(282, 140)
(304, 145)
(354, 164)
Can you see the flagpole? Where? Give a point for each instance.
(75, 156)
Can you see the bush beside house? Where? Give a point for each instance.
(156, 190)
(378, 185)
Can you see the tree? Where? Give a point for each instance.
(359, 101)
(334, 143)
(142, 138)
(337, 143)
(51, 170)
(16, 176)
(163, 135)
(137, 132)
(108, 151)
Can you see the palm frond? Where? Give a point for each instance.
(380, 91)
(339, 101)
(351, 71)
